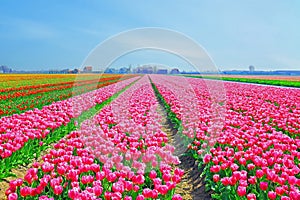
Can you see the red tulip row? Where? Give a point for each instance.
(95, 79)
(16, 130)
(37, 96)
(252, 158)
(121, 153)
(32, 90)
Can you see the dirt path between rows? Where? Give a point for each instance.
(192, 186)
(20, 173)
(4, 184)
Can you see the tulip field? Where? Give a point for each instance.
(287, 81)
(21, 92)
(124, 137)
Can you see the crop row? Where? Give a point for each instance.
(47, 83)
(11, 93)
(121, 153)
(288, 82)
(20, 80)
(20, 134)
(254, 144)
(29, 97)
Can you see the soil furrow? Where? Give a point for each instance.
(192, 186)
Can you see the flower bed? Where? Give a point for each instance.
(256, 153)
(121, 153)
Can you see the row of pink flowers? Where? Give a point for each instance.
(250, 150)
(16, 130)
(272, 106)
(121, 153)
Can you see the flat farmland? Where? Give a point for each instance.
(148, 137)
(285, 81)
(27, 91)
(265, 77)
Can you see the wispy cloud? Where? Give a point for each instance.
(18, 28)
(91, 32)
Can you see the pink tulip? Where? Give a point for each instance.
(13, 196)
(263, 185)
(241, 191)
(176, 197)
(251, 196)
(152, 174)
(272, 195)
(216, 177)
(140, 197)
(57, 189)
(163, 189)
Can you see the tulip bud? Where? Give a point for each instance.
(263, 186)
(241, 191)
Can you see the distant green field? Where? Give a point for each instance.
(286, 83)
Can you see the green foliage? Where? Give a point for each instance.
(286, 83)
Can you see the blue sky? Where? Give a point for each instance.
(57, 34)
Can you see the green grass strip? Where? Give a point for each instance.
(285, 83)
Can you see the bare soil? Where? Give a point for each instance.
(20, 173)
(192, 186)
